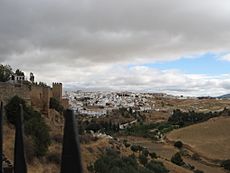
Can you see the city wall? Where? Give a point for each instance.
(35, 95)
(8, 90)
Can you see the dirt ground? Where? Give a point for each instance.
(210, 139)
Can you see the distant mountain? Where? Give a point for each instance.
(226, 96)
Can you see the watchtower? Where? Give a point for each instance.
(57, 91)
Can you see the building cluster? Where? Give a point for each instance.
(99, 103)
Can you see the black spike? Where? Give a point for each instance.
(71, 156)
(1, 137)
(19, 153)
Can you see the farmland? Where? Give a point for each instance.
(209, 139)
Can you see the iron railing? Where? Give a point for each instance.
(71, 156)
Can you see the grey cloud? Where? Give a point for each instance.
(114, 31)
(226, 85)
(84, 40)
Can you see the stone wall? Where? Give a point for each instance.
(35, 95)
(8, 90)
(40, 98)
(57, 91)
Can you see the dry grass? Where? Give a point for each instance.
(36, 166)
(174, 168)
(205, 105)
(210, 139)
(92, 151)
(8, 141)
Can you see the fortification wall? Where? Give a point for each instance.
(8, 90)
(34, 95)
(57, 91)
(47, 94)
(40, 98)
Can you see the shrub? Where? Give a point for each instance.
(156, 166)
(226, 164)
(55, 104)
(13, 109)
(134, 148)
(143, 159)
(178, 144)
(39, 131)
(145, 152)
(113, 162)
(177, 159)
(153, 155)
(198, 171)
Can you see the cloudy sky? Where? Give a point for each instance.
(173, 46)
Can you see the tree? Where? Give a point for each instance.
(55, 104)
(5, 73)
(19, 73)
(178, 144)
(31, 77)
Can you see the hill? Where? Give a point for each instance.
(226, 96)
(209, 139)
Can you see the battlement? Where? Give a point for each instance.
(9, 90)
(56, 83)
(57, 91)
(37, 96)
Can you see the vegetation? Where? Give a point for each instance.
(134, 148)
(55, 104)
(156, 166)
(145, 152)
(178, 144)
(143, 159)
(177, 159)
(19, 73)
(111, 161)
(5, 73)
(150, 130)
(99, 126)
(34, 124)
(153, 155)
(226, 164)
(188, 118)
(198, 171)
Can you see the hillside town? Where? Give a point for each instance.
(98, 103)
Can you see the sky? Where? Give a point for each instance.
(179, 47)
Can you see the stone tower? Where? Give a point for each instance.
(57, 91)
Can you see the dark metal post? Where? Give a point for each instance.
(71, 156)
(1, 137)
(19, 153)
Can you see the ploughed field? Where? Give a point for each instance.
(209, 139)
